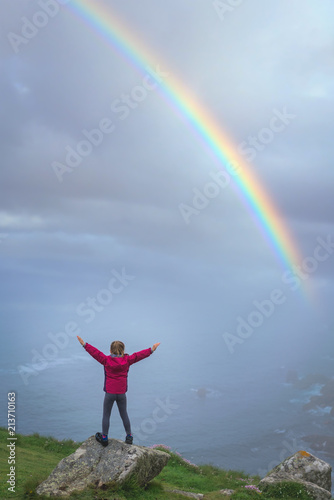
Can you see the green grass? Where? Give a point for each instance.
(37, 456)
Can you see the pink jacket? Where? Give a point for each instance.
(116, 368)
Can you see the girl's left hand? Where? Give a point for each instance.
(80, 340)
(155, 346)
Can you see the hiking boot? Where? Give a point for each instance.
(129, 439)
(101, 439)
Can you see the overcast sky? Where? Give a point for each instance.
(73, 214)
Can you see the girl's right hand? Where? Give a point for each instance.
(155, 346)
(80, 340)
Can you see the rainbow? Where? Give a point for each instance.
(124, 41)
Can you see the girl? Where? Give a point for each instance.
(116, 367)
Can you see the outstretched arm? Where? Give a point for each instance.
(138, 356)
(95, 353)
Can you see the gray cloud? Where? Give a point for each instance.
(120, 206)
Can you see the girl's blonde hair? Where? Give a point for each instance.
(117, 347)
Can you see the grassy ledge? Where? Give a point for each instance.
(37, 456)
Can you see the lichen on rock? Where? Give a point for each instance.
(306, 469)
(92, 464)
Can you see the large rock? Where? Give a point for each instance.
(303, 468)
(92, 464)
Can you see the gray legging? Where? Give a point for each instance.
(109, 400)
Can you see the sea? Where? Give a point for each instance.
(234, 417)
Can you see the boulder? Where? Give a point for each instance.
(303, 468)
(93, 464)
